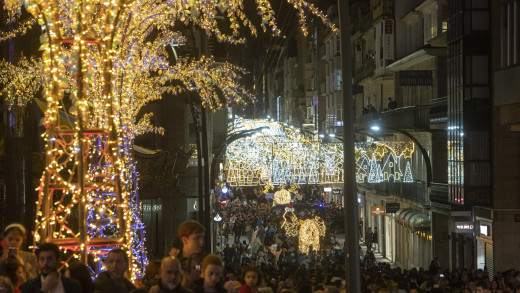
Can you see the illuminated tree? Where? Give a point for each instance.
(102, 61)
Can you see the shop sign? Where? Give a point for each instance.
(415, 77)
(464, 227)
(336, 191)
(392, 207)
(148, 207)
(378, 210)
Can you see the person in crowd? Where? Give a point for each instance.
(212, 270)
(375, 239)
(369, 238)
(237, 229)
(251, 276)
(190, 273)
(191, 234)
(169, 277)
(435, 266)
(5, 285)
(50, 279)
(81, 273)
(392, 104)
(16, 273)
(113, 280)
(151, 276)
(15, 236)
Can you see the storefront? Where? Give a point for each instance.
(390, 237)
(413, 241)
(484, 244)
(390, 230)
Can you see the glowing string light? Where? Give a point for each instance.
(107, 60)
(308, 231)
(282, 196)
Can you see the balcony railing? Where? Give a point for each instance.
(415, 191)
(411, 117)
(438, 110)
(439, 193)
(366, 70)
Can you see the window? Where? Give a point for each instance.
(337, 83)
(509, 33)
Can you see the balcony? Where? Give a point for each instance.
(439, 193)
(415, 191)
(363, 24)
(411, 117)
(366, 70)
(385, 10)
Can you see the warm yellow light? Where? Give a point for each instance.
(282, 196)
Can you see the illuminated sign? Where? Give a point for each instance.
(464, 227)
(484, 230)
(152, 207)
(378, 210)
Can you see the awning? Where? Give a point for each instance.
(408, 217)
(399, 215)
(419, 221)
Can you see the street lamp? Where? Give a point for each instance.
(224, 190)
(375, 127)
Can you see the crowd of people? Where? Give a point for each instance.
(255, 255)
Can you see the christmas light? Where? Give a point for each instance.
(308, 231)
(378, 162)
(106, 60)
(280, 155)
(282, 196)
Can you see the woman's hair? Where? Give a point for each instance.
(253, 269)
(10, 269)
(7, 283)
(16, 227)
(211, 259)
(81, 273)
(152, 270)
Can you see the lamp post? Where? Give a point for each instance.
(352, 272)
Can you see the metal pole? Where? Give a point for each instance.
(206, 194)
(352, 272)
(199, 161)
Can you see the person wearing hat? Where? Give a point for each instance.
(15, 236)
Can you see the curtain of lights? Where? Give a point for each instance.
(280, 155)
